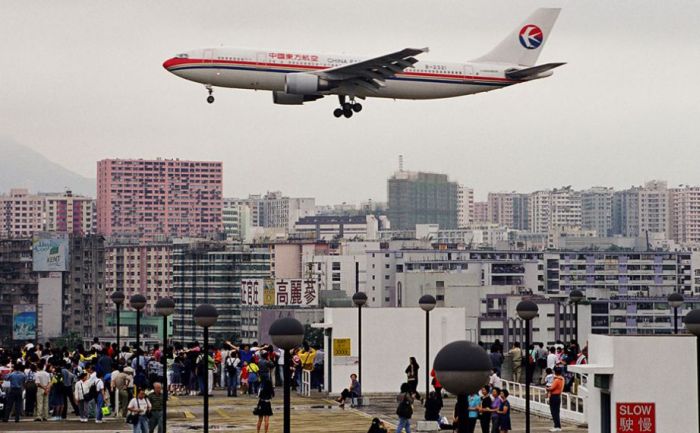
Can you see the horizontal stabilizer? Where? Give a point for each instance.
(521, 74)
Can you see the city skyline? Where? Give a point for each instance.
(126, 105)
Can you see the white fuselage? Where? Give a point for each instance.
(266, 70)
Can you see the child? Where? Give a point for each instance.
(244, 378)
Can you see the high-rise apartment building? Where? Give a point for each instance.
(143, 268)
(465, 206)
(21, 213)
(500, 208)
(84, 297)
(596, 210)
(685, 214)
(69, 213)
(154, 198)
(552, 209)
(18, 284)
(211, 272)
(274, 210)
(421, 198)
(521, 214)
(481, 212)
(236, 219)
(639, 210)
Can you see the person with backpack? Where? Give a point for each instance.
(138, 408)
(231, 364)
(253, 378)
(82, 389)
(404, 410)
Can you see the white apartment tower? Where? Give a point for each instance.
(500, 208)
(465, 206)
(552, 209)
(685, 214)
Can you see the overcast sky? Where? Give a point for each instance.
(82, 80)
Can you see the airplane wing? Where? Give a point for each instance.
(372, 73)
(520, 74)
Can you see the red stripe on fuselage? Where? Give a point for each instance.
(170, 63)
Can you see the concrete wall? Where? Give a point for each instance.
(50, 306)
(658, 369)
(389, 337)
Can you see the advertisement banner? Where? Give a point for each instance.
(50, 252)
(24, 322)
(252, 292)
(296, 292)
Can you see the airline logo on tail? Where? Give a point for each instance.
(531, 36)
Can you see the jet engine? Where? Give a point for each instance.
(284, 98)
(301, 83)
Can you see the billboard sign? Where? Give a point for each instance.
(50, 252)
(252, 292)
(24, 322)
(636, 417)
(296, 293)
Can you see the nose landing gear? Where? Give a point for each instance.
(210, 98)
(347, 108)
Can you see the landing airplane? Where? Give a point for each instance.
(298, 77)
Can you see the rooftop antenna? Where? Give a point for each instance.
(401, 163)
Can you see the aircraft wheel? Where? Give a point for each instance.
(338, 112)
(347, 114)
(357, 107)
(210, 99)
(347, 106)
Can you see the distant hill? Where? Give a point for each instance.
(22, 167)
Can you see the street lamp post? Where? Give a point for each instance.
(137, 303)
(287, 333)
(575, 297)
(692, 324)
(675, 300)
(165, 307)
(205, 315)
(527, 310)
(359, 299)
(427, 303)
(118, 299)
(462, 368)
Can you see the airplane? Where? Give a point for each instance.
(298, 77)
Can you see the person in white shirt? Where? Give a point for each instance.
(101, 397)
(551, 359)
(494, 380)
(43, 383)
(139, 406)
(80, 393)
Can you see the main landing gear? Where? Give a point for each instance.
(347, 108)
(210, 98)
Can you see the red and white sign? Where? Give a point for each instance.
(636, 418)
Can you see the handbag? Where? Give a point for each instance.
(106, 411)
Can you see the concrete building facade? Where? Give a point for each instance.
(596, 210)
(422, 198)
(465, 206)
(21, 213)
(154, 198)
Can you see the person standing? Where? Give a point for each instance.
(412, 377)
(43, 387)
(231, 364)
(504, 412)
(516, 355)
(404, 409)
(496, 358)
(139, 407)
(81, 396)
(474, 403)
(495, 405)
(101, 396)
(485, 409)
(156, 401)
(30, 389)
(264, 408)
(17, 381)
(554, 393)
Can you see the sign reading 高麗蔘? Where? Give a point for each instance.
(341, 347)
(636, 418)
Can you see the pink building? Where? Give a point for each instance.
(481, 211)
(144, 268)
(21, 214)
(163, 197)
(70, 213)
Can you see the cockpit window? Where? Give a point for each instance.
(182, 56)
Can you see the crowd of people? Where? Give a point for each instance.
(44, 382)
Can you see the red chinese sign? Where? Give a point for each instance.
(636, 418)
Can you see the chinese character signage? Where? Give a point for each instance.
(341, 347)
(280, 292)
(24, 322)
(50, 252)
(251, 292)
(296, 292)
(636, 418)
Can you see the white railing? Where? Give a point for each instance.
(572, 405)
(305, 388)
